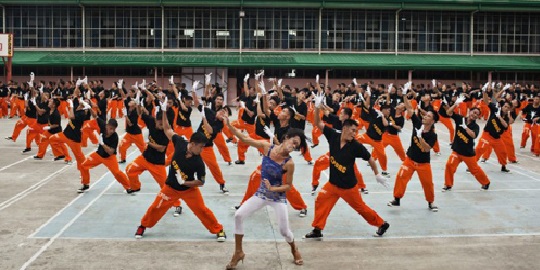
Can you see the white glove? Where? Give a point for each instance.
(47, 128)
(180, 96)
(269, 133)
(433, 83)
(406, 88)
(459, 100)
(41, 89)
(257, 99)
(258, 75)
(464, 123)
(382, 180)
(85, 80)
(292, 107)
(70, 103)
(533, 114)
(31, 84)
(493, 85)
(207, 78)
(136, 85)
(261, 86)
(390, 87)
(318, 99)
(355, 82)
(485, 87)
(179, 178)
(164, 104)
(242, 104)
(171, 79)
(498, 113)
(506, 86)
(78, 83)
(203, 115)
(317, 78)
(246, 78)
(120, 83)
(86, 105)
(419, 131)
(124, 111)
(272, 80)
(33, 100)
(279, 82)
(143, 86)
(138, 97)
(368, 90)
(195, 86)
(379, 113)
(32, 76)
(157, 110)
(88, 96)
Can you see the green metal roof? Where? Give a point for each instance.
(463, 5)
(280, 60)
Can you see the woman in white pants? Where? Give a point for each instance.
(275, 163)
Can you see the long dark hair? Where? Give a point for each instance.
(296, 132)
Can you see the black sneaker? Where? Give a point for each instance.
(239, 162)
(310, 162)
(221, 236)
(122, 161)
(483, 160)
(236, 207)
(130, 191)
(315, 234)
(38, 158)
(315, 145)
(394, 202)
(229, 163)
(504, 169)
(140, 232)
(383, 228)
(9, 138)
(514, 162)
(446, 188)
(486, 186)
(83, 189)
(59, 158)
(26, 150)
(177, 211)
(303, 213)
(433, 208)
(364, 190)
(223, 189)
(228, 140)
(385, 174)
(314, 190)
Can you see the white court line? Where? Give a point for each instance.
(21, 195)
(51, 241)
(15, 163)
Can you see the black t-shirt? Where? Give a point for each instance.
(415, 150)
(250, 105)
(334, 121)
(529, 110)
(183, 118)
(493, 125)
(44, 118)
(398, 121)
(30, 111)
(111, 141)
(364, 115)
(73, 128)
(133, 117)
(186, 167)
(3, 91)
(102, 106)
(260, 123)
(342, 159)
(463, 143)
(55, 119)
(376, 127)
(216, 125)
(297, 122)
(280, 131)
(156, 136)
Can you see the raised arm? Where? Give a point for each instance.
(246, 139)
(169, 132)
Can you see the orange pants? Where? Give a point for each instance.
(316, 133)
(184, 131)
(508, 141)
(115, 107)
(484, 110)
(405, 173)
(293, 196)
(323, 162)
(243, 147)
(395, 142)
(63, 108)
(451, 166)
(193, 197)
(21, 124)
(487, 141)
(59, 140)
(127, 141)
(328, 197)
(307, 155)
(110, 162)
(227, 132)
(4, 107)
(378, 148)
(33, 133)
(44, 143)
(209, 158)
(17, 107)
(221, 145)
(447, 122)
(241, 125)
(532, 130)
(462, 109)
(87, 132)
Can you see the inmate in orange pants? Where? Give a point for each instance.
(4, 107)
(33, 133)
(127, 141)
(221, 145)
(110, 162)
(405, 173)
(209, 158)
(44, 143)
(63, 108)
(138, 166)
(21, 124)
(378, 148)
(184, 131)
(60, 141)
(328, 197)
(316, 133)
(447, 122)
(227, 132)
(87, 132)
(243, 147)
(307, 156)
(293, 196)
(451, 166)
(533, 131)
(506, 138)
(193, 197)
(323, 162)
(395, 142)
(115, 107)
(498, 145)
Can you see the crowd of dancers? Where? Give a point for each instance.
(272, 121)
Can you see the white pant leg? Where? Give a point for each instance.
(247, 209)
(282, 216)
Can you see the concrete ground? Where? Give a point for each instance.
(45, 224)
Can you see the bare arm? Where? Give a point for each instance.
(373, 165)
(317, 119)
(246, 139)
